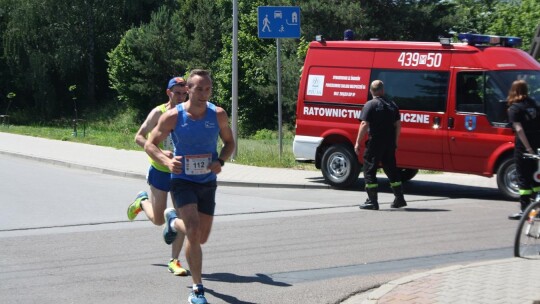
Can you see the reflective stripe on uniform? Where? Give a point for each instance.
(525, 192)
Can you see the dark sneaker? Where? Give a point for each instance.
(197, 296)
(398, 203)
(168, 234)
(515, 216)
(369, 205)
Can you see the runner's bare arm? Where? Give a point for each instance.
(149, 123)
(165, 125)
(226, 135)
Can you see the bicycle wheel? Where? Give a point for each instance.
(527, 242)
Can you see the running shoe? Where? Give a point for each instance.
(197, 296)
(168, 234)
(176, 268)
(135, 207)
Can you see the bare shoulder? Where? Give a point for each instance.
(221, 112)
(153, 116)
(169, 117)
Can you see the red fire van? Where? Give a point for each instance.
(451, 98)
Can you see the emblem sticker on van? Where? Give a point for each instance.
(315, 85)
(470, 122)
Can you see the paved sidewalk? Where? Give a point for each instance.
(135, 163)
(511, 280)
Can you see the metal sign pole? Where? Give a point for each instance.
(278, 56)
(234, 106)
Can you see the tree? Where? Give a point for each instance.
(508, 22)
(331, 18)
(171, 44)
(146, 58)
(416, 20)
(473, 16)
(6, 77)
(204, 22)
(50, 44)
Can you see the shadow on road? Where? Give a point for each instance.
(431, 188)
(226, 298)
(234, 278)
(409, 209)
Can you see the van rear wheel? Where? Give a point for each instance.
(340, 166)
(507, 179)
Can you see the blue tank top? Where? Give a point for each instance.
(196, 142)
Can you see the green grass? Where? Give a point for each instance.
(265, 153)
(255, 152)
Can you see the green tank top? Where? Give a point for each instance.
(165, 145)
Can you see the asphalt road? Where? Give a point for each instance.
(64, 238)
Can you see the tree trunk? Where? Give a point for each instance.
(91, 69)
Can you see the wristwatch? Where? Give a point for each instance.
(221, 162)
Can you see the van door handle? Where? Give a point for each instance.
(450, 122)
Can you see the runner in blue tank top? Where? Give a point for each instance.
(196, 125)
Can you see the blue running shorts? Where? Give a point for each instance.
(159, 179)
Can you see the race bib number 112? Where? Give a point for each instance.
(197, 164)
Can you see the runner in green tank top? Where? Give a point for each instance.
(159, 176)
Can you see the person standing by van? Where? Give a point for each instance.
(524, 115)
(380, 119)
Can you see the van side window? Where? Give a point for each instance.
(496, 108)
(469, 92)
(479, 92)
(415, 90)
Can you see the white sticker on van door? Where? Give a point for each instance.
(315, 85)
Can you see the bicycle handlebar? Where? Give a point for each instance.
(530, 155)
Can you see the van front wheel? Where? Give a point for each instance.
(340, 166)
(507, 179)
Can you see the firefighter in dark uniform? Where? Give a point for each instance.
(381, 120)
(524, 115)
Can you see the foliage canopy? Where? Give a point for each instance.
(120, 54)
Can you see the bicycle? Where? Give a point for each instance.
(527, 241)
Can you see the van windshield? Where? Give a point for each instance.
(504, 79)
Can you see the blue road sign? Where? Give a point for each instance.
(278, 21)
